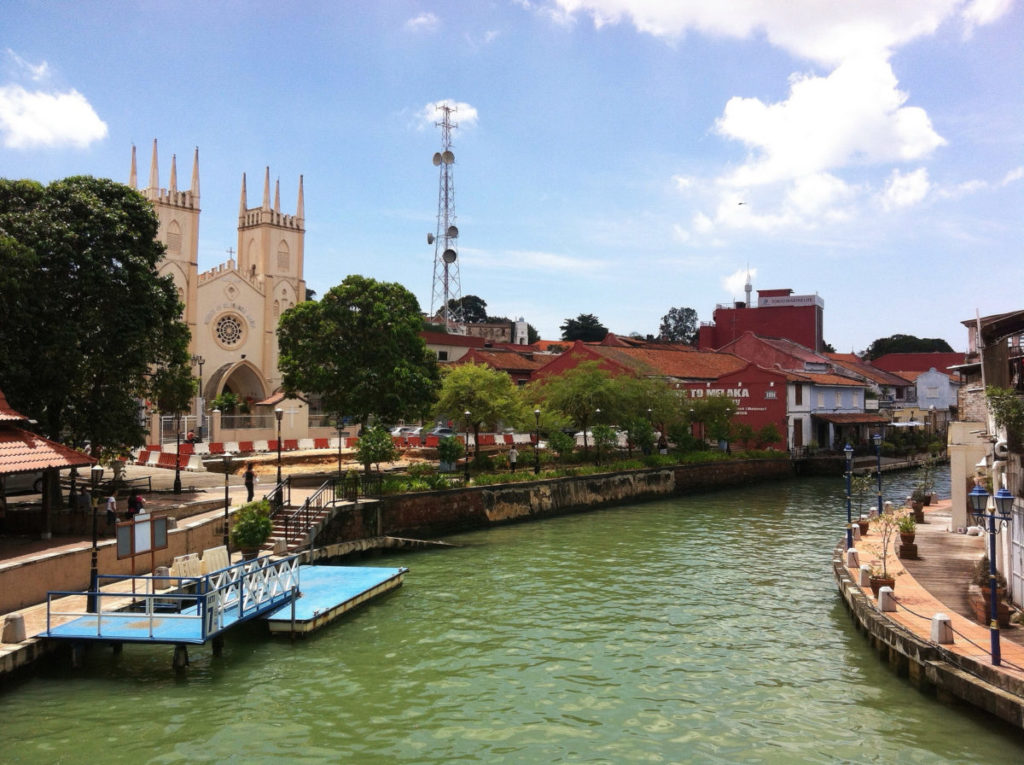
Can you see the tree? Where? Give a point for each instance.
(375, 445)
(532, 335)
(359, 349)
(488, 394)
(85, 316)
(905, 344)
(468, 310)
(679, 325)
(585, 327)
(578, 394)
(713, 416)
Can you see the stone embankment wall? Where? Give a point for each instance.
(436, 513)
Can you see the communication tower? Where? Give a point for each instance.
(445, 240)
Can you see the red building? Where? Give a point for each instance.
(779, 313)
(759, 394)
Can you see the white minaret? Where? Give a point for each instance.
(748, 289)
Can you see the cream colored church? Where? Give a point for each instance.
(232, 310)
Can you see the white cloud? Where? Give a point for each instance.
(682, 182)
(534, 261)
(464, 114)
(905, 189)
(855, 115)
(425, 22)
(35, 72)
(1014, 175)
(38, 118)
(826, 32)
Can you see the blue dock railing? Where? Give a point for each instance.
(175, 609)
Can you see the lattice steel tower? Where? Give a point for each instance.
(446, 260)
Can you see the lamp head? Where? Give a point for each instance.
(1004, 503)
(279, 413)
(978, 498)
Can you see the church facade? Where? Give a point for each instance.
(231, 310)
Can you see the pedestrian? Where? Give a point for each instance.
(111, 510)
(250, 481)
(513, 455)
(84, 502)
(662, 444)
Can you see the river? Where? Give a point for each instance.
(698, 629)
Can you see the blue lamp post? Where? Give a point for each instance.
(1004, 508)
(848, 451)
(877, 438)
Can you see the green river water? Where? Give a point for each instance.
(699, 629)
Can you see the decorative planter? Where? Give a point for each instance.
(863, 526)
(907, 538)
(978, 598)
(878, 582)
(918, 507)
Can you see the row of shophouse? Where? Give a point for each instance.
(815, 400)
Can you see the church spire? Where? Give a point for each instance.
(277, 195)
(300, 208)
(173, 187)
(195, 175)
(154, 173)
(242, 202)
(266, 190)
(133, 179)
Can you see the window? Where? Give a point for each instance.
(229, 330)
(442, 355)
(770, 394)
(798, 394)
(283, 261)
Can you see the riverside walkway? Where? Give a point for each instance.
(937, 583)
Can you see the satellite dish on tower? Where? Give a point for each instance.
(437, 158)
(430, 238)
(449, 256)
(448, 158)
(453, 232)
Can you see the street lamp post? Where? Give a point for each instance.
(849, 516)
(877, 438)
(227, 502)
(198, 360)
(278, 413)
(1004, 508)
(94, 573)
(466, 461)
(177, 453)
(340, 425)
(536, 444)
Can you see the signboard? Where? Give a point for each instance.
(141, 534)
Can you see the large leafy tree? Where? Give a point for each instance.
(585, 327)
(679, 325)
(579, 393)
(359, 348)
(88, 328)
(488, 394)
(906, 344)
(469, 309)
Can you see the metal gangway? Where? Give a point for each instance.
(179, 610)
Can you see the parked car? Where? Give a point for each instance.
(441, 431)
(406, 431)
(24, 483)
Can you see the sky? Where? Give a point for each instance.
(612, 157)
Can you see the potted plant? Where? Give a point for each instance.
(864, 524)
(979, 594)
(888, 524)
(908, 529)
(449, 449)
(251, 528)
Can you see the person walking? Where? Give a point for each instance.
(250, 481)
(513, 455)
(111, 511)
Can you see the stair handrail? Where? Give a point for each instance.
(317, 499)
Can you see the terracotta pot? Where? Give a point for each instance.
(863, 526)
(907, 538)
(878, 582)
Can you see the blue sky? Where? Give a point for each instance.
(603, 149)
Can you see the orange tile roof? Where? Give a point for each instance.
(22, 451)
(501, 359)
(683, 364)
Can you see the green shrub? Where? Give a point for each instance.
(251, 526)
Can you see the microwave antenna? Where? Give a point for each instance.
(447, 286)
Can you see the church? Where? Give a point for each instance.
(231, 310)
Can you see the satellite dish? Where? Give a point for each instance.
(437, 158)
(430, 238)
(448, 158)
(449, 256)
(453, 232)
